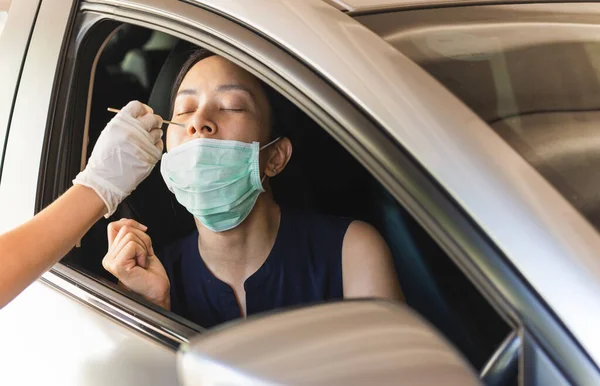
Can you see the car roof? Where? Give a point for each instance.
(367, 6)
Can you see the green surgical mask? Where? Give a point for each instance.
(215, 180)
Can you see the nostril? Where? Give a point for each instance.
(207, 128)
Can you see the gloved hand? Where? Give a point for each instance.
(124, 155)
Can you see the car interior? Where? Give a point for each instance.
(141, 64)
(531, 71)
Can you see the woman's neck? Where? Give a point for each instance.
(234, 255)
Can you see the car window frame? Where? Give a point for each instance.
(440, 215)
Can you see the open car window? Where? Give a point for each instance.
(130, 62)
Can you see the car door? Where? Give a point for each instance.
(461, 154)
(474, 167)
(369, 98)
(48, 337)
(16, 24)
(74, 328)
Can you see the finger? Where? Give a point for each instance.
(150, 121)
(111, 232)
(124, 236)
(160, 145)
(107, 260)
(115, 227)
(123, 230)
(140, 257)
(141, 238)
(156, 135)
(159, 119)
(118, 242)
(145, 239)
(129, 234)
(113, 248)
(136, 109)
(133, 223)
(125, 260)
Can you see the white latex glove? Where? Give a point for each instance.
(124, 155)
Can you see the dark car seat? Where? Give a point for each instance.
(112, 86)
(324, 177)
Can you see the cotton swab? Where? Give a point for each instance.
(113, 110)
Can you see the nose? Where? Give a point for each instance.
(201, 126)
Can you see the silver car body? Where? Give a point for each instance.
(50, 338)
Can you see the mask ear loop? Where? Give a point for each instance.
(270, 143)
(262, 180)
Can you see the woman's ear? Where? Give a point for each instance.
(279, 155)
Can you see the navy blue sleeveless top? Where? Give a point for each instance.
(304, 266)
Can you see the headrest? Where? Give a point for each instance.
(127, 38)
(160, 97)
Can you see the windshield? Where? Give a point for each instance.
(531, 71)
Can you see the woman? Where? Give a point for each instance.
(130, 143)
(248, 255)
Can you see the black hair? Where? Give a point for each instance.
(275, 100)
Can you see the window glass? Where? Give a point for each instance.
(4, 8)
(141, 64)
(536, 82)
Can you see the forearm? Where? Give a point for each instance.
(31, 249)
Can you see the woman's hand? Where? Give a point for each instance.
(131, 259)
(124, 155)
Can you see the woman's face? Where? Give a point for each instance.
(218, 99)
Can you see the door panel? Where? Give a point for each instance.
(13, 45)
(18, 186)
(49, 338)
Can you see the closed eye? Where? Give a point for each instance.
(234, 110)
(184, 113)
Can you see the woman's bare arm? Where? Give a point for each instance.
(367, 265)
(31, 249)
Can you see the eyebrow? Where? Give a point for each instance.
(221, 88)
(234, 87)
(187, 91)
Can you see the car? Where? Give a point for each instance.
(464, 130)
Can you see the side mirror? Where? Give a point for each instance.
(345, 343)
